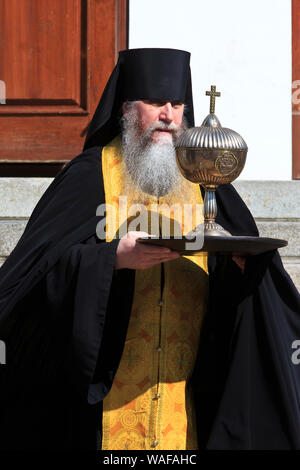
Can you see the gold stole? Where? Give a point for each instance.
(149, 406)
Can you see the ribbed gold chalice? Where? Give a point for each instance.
(211, 155)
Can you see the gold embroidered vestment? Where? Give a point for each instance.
(149, 405)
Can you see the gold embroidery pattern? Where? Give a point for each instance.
(149, 406)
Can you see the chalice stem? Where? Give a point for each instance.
(210, 205)
(210, 213)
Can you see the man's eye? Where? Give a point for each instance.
(153, 103)
(158, 104)
(177, 104)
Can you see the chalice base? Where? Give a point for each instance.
(213, 229)
(210, 228)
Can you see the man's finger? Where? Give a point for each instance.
(240, 261)
(136, 235)
(153, 250)
(164, 258)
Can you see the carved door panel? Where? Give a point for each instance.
(55, 60)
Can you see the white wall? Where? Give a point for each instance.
(243, 47)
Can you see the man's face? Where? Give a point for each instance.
(149, 131)
(166, 115)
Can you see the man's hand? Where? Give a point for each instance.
(240, 261)
(134, 255)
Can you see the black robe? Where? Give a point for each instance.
(64, 313)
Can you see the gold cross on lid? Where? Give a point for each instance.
(212, 93)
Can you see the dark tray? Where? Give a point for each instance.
(213, 244)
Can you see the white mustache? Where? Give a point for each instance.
(164, 126)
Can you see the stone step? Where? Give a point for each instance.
(265, 199)
(11, 231)
(19, 196)
(285, 230)
(271, 199)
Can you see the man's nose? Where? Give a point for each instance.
(166, 113)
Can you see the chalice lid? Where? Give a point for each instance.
(211, 135)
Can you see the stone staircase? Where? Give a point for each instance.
(274, 204)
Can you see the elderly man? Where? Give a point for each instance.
(112, 344)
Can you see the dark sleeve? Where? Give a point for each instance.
(245, 380)
(54, 341)
(259, 383)
(59, 324)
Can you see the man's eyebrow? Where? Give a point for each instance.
(155, 101)
(173, 102)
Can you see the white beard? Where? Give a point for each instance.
(151, 166)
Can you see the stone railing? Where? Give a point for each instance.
(274, 204)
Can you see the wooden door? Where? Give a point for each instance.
(55, 59)
(296, 87)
